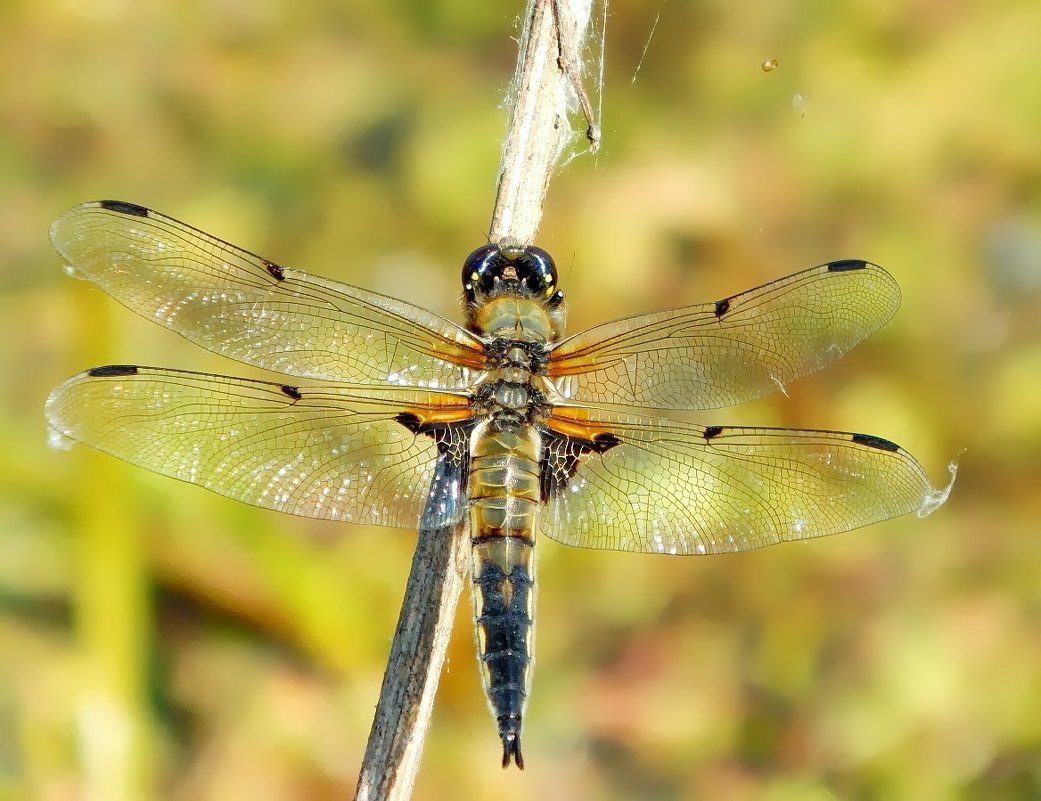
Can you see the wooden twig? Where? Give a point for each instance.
(547, 69)
(537, 133)
(417, 655)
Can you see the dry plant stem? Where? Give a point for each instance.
(538, 131)
(417, 655)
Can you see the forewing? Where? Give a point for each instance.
(331, 452)
(240, 305)
(664, 486)
(736, 349)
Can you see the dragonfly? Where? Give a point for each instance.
(389, 414)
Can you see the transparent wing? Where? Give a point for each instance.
(446, 506)
(663, 486)
(734, 350)
(240, 305)
(330, 452)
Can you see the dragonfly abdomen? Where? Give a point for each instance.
(504, 491)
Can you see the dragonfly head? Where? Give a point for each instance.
(499, 275)
(492, 271)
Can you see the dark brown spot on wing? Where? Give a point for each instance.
(713, 431)
(122, 207)
(450, 434)
(722, 307)
(562, 455)
(410, 421)
(112, 370)
(846, 265)
(276, 270)
(875, 442)
(602, 443)
(291, 391)
(431, 425)
(419, 420)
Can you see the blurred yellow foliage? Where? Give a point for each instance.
(159, 642)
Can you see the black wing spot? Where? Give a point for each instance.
(122, 207)
(291, 391)
(711, 432)
(562, 456)
(875, 442)
(846, 265)
(722, 307)
(277, 271)
(602, 443)
(410, 421)
(449, 437)
(112, 371)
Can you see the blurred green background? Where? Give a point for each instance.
(157, 641)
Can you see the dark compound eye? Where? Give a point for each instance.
(537, 272)
(480, 269)
(529, 270)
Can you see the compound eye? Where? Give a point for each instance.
(480, 269)
(537, 272)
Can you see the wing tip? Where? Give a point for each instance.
(58, 435)
(58, 440)
(59, 236)
(935, 498)
(54, 398)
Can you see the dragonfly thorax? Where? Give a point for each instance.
(507, 400)
(513, 319)
(516, 360)
(513, 386)
(511, 395)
